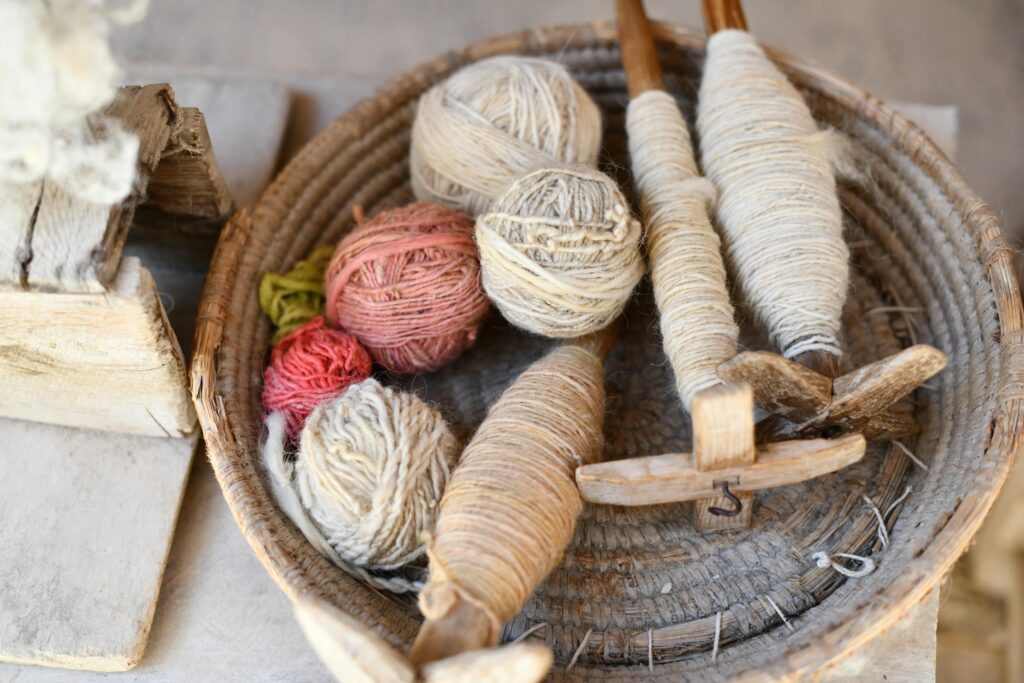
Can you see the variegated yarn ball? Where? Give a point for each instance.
(560, 252)
(494, 121)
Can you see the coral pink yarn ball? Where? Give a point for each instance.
(311, 365)
(407, 284)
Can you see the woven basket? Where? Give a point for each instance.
(640, 582)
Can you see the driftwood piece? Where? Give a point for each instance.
(102, 361)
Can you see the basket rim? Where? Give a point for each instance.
(878, 610)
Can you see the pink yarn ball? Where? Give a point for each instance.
(407, 284)
(311, 365)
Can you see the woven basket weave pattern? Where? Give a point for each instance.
(641, 578)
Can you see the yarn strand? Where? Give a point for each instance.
(777, 207)
(698, 328)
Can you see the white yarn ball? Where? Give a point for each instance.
(560, 252)
(494, 121)
(372, 466)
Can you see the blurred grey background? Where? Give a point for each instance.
(967, 53)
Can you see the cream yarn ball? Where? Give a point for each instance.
(560, 252)
(371, 470)
(494, 121)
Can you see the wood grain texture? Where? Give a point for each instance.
(88, 519)
(76, 245)
(674, 477)
(781, 387)
(188, 182)
(723, 437)
(102, 361)
(639, 55)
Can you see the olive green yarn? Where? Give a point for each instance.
(293, 299)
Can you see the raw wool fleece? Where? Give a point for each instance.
(57, 73)
(777, 204)
(495, 121)
(560, 252)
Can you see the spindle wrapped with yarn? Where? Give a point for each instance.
(560, 252)
(494, 121)
(311, 365)
(372, 467)
(406, 283)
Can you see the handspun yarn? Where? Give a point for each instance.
(311, 365)
(494, 121)
(296, 297)
(372, 466)
(687, 272)
(777, 205)
(512, 504)
(406, 283)
(559, 251)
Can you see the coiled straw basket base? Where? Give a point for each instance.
(641, 581)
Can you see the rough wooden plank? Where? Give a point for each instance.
(75, 244)
(103, 361)
(88, 519)
(188, 181)
(874, 387)
(674, 477)
(723, 437)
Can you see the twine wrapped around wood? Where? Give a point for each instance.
(512, 504)
(559, 252)
(494, 121)
(697, 324)
(777, 204)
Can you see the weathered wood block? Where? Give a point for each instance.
(84, 339)
(102, 361)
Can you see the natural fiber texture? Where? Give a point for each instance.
(560, 252)
(641, 577)
(372, 466)
(495, 121)
(311, 365)
(407, 285)
(293, 299)
(698, 329)
(280, 469)
(512, 505)
(777, 205)
(58, 74)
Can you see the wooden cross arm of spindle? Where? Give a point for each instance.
(812, 403)
(674, 477)
(355, 654)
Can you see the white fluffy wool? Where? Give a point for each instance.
(57, 73)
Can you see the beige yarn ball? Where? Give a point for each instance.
(560, 252)
(494, 121)
(372, 466)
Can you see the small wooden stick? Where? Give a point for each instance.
(723, 444)
(720, 15)
(639, 56)
(723, 439)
